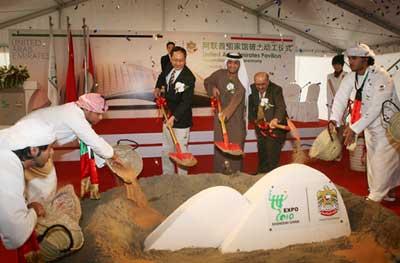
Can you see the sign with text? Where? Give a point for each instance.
(127, 65)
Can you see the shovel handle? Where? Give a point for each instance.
(283, 127)
(223, 126)
(171, 131)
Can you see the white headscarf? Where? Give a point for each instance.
(361, 50)
(27, 133)
(242, 73)
(243, 77)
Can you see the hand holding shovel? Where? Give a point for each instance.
(183, 159)
(225, 146)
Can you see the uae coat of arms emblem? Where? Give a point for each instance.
(328, 203)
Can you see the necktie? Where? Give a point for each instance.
(171, 79)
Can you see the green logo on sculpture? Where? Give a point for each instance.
(283, 213)
(276, 202)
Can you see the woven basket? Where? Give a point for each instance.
(326, 146)
(357, 157)
(391, 116)
(394, 127)
(129, 156)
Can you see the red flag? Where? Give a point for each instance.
(89, 175)
(90, 62)
(88, 164)
(29, 251)
(70, 89)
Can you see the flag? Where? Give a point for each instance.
(91, 65)
(87, 77)
(52, 90)
(91, 83)
(89, 175)
(70, 87)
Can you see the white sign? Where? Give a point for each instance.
(127, 64)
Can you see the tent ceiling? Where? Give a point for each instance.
(333, 24)
(324, 20)
(17, 8)
(387, 10)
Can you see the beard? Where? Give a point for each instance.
(37, 162)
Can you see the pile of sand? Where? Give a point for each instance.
(111, 235)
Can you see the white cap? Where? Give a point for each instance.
(234, 56)
(27, 133)
(361, 50)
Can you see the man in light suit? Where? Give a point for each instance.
(368, 86)
(178, 82)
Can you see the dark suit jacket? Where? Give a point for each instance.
(165, 62)
(275, 97)
(179, 104)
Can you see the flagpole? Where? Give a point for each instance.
(85, 60)
(68, 31)
(70, 85)
(68, 27)
(52, 89)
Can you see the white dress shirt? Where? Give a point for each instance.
(177, 72)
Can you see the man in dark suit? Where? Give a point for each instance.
(266, 104)
(178, 82)
(166, 59)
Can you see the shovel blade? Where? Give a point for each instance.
(183, 159)
(230, 148)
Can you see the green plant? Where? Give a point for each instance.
(13, 76)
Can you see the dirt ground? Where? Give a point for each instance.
(112, 236)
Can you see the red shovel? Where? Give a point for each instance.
(266, 130)
(225, 146)
(183, 159)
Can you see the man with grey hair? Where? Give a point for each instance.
(368, 86)
(267, 105)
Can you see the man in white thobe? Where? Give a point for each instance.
(368, 86)
(334, 79)
(74, 120)
(29, 144)
(71, 121)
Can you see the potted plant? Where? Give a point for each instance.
(13, 77)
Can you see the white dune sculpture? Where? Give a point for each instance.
(204, 220)
(292, 204)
